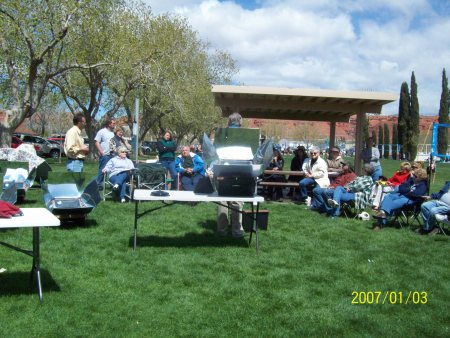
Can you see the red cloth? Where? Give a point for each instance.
(7, 210)
(398, 178)
(342, 180)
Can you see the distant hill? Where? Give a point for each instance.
(298, 130)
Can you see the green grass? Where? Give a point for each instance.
(183, 280)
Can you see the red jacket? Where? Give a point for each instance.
(398, 178)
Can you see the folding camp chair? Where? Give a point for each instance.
(108, 186)
(442, 220)
(349, 209)
(151, 176)
(406, 216)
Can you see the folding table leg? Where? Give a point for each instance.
(36, 269)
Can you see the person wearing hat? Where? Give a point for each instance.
(335, 161)
(300, 155)
(119, 168)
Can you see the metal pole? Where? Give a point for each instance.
(136, 129)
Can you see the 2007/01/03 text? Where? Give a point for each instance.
(389, 297)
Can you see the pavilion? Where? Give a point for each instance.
(303, 104)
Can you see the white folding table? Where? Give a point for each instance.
(32, 218)
(140, 195)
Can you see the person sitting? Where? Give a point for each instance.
(300, 155)
(357, 191)
(316, 173)
(276, 164)
(118, 141)
(384, 186)
(119, 168)
(334, 161)
(409, 192)
(321, 195)
(190, 167)
(439, 205)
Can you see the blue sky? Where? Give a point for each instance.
(328, 44)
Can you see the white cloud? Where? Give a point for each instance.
(331, 44)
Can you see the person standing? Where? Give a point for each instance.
(166, 149)
(371, 155)
(102, 139)
(237, 231)
(74, 146)
(118, 141)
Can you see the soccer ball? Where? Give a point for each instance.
(364, 216)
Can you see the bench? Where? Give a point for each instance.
(278, 184)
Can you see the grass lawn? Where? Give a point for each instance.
(183, 280)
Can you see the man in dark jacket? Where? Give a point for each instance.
(409, 193)
(439, 205)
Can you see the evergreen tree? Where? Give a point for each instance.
(394, 142)
(374, 136)
(413, 121)
(443, 115)
(366, 129)
(380, 139)
(387, 141)
(403, 115)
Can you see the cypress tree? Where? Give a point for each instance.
(403, 114)
(443, 115)
(387, 140)
(380, 139)
(366, 129)
(394, 142)
(413, 121)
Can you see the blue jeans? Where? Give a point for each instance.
(189, 182)
(102, 163)
(391, 202)
(341, 195)
(429, 211)
(303, 184)
(377, 173)
(74, 166)
(320, 199)
(170, 166)
(121, 179)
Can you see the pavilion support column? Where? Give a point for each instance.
(332, 134)
(360, 119)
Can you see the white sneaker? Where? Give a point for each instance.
(122, 200)
(308, 201)
(333, 203)
(115, 186)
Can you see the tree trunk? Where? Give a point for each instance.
(5, 136)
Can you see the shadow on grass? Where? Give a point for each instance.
(20, 283)
(72, 224)
(192, 240)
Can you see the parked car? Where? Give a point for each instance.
(47, 149)
(15, 142)
(149, 147)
